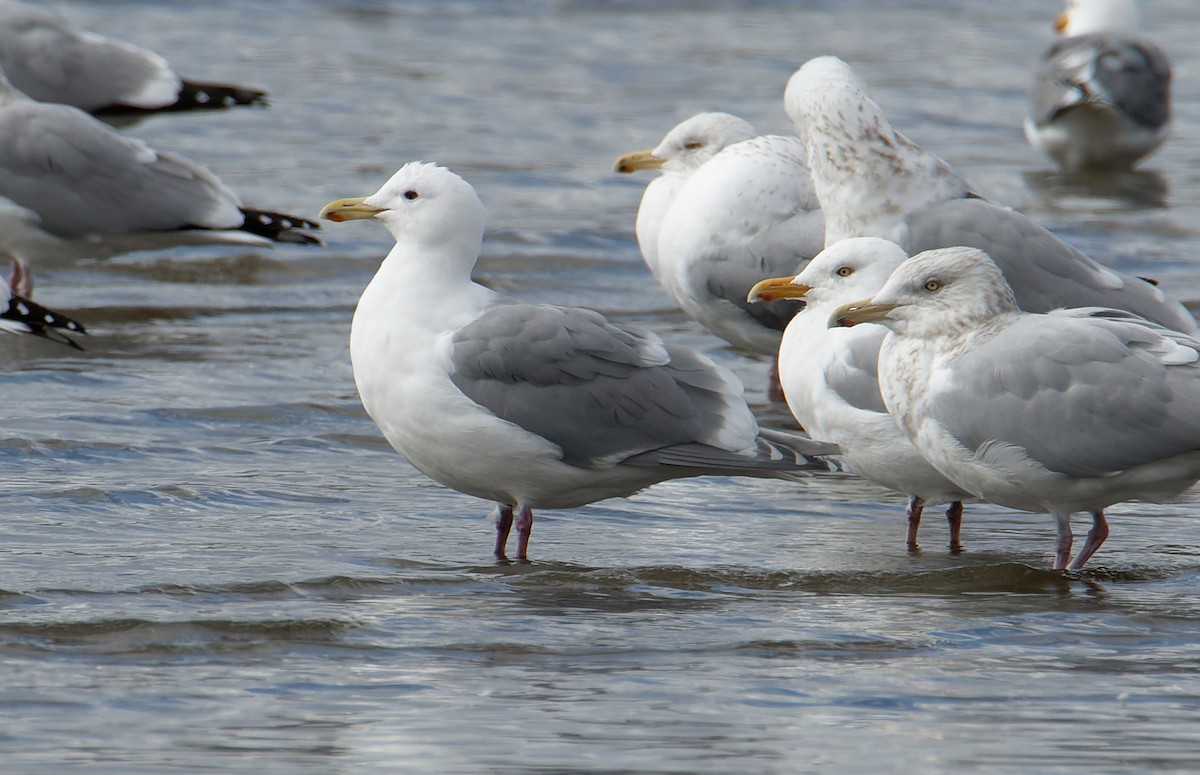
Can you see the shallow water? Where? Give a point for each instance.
(210, 560)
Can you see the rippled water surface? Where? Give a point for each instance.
(211, 562)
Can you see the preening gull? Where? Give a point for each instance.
(831, 383)
(1101, 97)
(23, 316)
(52, 61)
(1073, 410)
(874, 182)
(72, 185)
(530, 405)
(725, 213)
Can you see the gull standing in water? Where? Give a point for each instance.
(1073, 410)
(531, 405)
(831, 383)
(1101, 97)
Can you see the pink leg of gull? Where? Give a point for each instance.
(504, 521)
(1062, 545)
(954, 516)
(524, 525)
(916, 505)
(1095, 538)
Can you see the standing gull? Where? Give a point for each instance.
(1074, 410)
(51, 61)
(528, 405)
(1101, 97)
(831, 383)
(70, 185)
(872, 181)
(20, 315)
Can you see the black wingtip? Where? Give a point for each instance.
(40, 321)
(195, 95)
(279, 227)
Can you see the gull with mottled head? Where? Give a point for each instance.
(872, 181)
(1069, 411)
(830, 377)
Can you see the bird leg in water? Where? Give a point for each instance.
(1062, 545)
(504, 520)
(774, 386)
(524, 528)
(954, 515)
(916, 505)
(1095, 537)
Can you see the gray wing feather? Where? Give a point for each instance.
(82, 177)
(1086, 393)
(602, 393)
(1045, 273)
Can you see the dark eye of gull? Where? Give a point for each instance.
(410, 194)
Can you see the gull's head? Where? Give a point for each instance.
(937, 292)
(825, 88)
(1083, 17)
(690, 144)
(850, 269)
(421, 203)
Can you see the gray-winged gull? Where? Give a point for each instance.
(1072, 410)
(530, 406)
(830, 377)
(52, 61)
(70, 185)
(21, 315)
(1101, 97)
(874, 182)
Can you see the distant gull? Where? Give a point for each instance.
(529, 405)
(23, 316)
(872, 181)
(1101, 97)
(1074, 410)
(72, 185)
(831, 383)
(52, 61)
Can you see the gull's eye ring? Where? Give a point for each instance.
(844, 271)
(933, 285)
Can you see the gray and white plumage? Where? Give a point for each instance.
(748, 212)
(1073, 410)
(874, 182)
(20, 315)
(528, 405)
(1101, 96)
(683, 150)
(52, 61)
(830, 376)
(72, 185)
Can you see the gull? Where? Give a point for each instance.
(531, 405)
(1101, 97)
(872, 181)
(52, 61)
(23, 316)
(71, 185)
(1062, 412)
(830, 377)
(682, 151)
